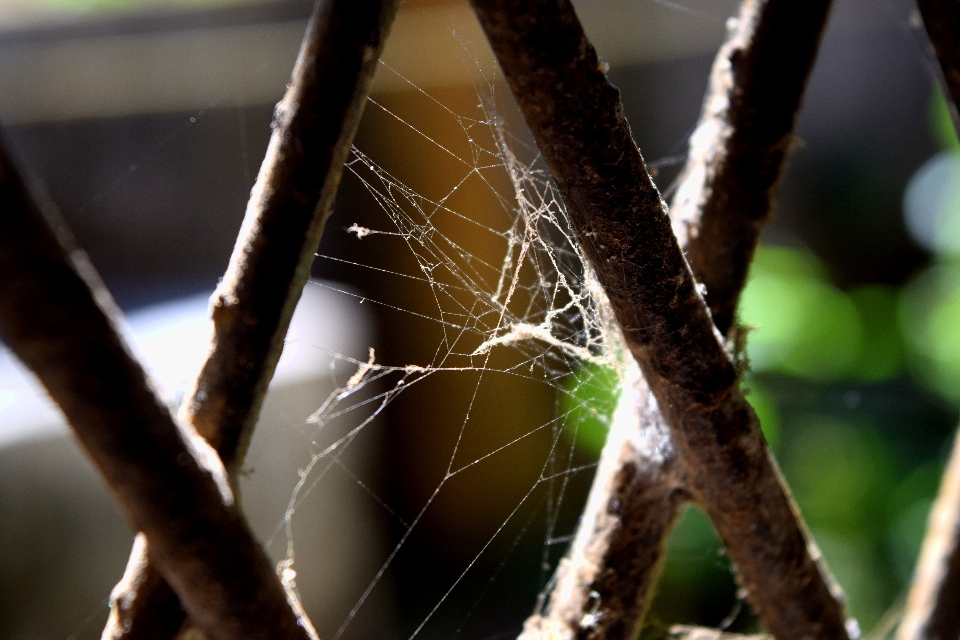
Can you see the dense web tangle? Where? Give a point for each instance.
(524, 306)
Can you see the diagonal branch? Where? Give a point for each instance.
(740, 146)
(931, 607)
(171, 485)
(577, 120)
(602, 585)
(314, 127)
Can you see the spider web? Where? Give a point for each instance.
(497, 293)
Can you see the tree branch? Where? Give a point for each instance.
(931, 610)
(591, 584)
(577, 120)
(54, 315)
(740, 146)
(600, 587)
(314, 127)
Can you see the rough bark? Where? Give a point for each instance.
(313, 129)
(741, 143)
(56, 317)
(735, 126)
(576, 118)
(314, 126)
(931, 609)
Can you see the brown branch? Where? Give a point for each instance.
(605, 578)
(741, 143)
(600, 587)
(314, 127)
(577, 119)
(54, 317)
(931, 609)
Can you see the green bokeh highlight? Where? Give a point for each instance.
(930, 321)
(842, 474)
(941, 125)
(802, 325)
(882, 349)
(908, 508)
(696, 580)
(765, 406)
(588, 401)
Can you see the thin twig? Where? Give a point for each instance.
(889, 622)
(314, 126)
(577, 119)
(598, 583)
(684, 632)
(931, 608)
(55, 316)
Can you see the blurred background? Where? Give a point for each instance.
(146, 121)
